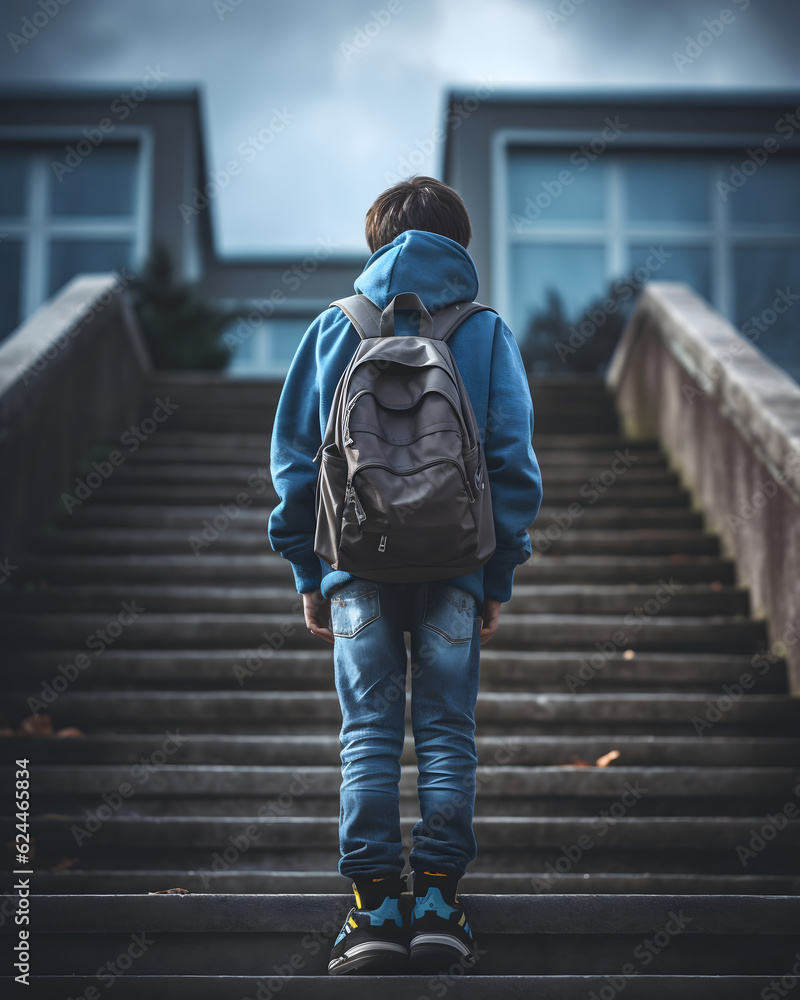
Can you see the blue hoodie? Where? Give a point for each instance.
(440, 271)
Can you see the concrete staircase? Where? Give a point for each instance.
(155, 620)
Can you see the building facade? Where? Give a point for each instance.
(91, 180)
(587, 196)
(576, 200)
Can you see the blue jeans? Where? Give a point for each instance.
(370, 660)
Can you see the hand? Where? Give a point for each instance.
(490, 619)
(317, 614)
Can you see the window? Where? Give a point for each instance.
(57, 224)
(575, 226)
(265, 348)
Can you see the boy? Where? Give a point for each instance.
(418, 232)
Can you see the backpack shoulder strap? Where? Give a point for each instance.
(447, 320)
(362, 313)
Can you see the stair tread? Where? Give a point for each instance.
(473, 987)
(505, 913)
(206, 611)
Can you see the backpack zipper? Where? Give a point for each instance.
(421, 468)
(350, 496)
(347, 440)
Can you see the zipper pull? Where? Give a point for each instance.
(346, 424)
(382, 546)
(350, 494)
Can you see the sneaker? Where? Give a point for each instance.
(374, 938)
(440, 933)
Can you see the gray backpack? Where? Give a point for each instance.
(402, 492)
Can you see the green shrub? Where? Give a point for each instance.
(180, 328)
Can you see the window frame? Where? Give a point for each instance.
(721, 236)
(37, 226)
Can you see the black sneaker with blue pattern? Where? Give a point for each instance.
(441, 937)
(374, 938)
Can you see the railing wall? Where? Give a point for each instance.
(729, 419)
(71, 376)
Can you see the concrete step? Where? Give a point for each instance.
(186, 473)
(494, 781)
(522, 712)
(596, 477)
(147, 516)
(310, 806)
(592, 442)
(308, 749)
(219, 440)
(718, 835)
(150, 629)
(594, 460)
(618, 541)
(181, 790)
(626, 517)
(588, 443)
(231, 880)
(698, 599)
(233, 538)
(239, 570)
(585, 462)
(576, 423)
(561, 495)
(232, 419)
(544, 567)
(232, 453)
(310, 669)
(545, 936)
(144, 516)
(620, 494)
(400, 987)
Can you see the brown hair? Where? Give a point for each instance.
(417, 203)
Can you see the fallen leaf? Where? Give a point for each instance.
(35, 725)
(576, 761)
(63, 863)
(70, 733)
(606, 759)
(159, 892)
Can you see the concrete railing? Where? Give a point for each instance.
(729, 419)
(71, 376)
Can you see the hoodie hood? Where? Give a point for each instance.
(438, 269)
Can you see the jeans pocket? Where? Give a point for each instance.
(450, 611)
(353, 606)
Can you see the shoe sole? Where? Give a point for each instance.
(435, 954)
(375, 961)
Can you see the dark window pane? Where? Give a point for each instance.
(576, 273)
(266, 348)
(104, 183)
(286, 336)
(71, 257)
(546, 188)
(667, 191)
(10, 275)
(13, 184)
(765, 281)
(691, 265)
(770, 197)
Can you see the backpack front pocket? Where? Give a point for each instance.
(330, 504)
(429, 521)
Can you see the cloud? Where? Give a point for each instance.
(365, 80)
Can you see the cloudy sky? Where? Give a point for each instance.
(358, 86)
